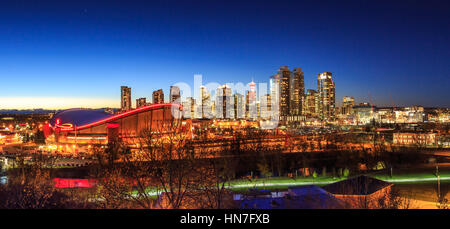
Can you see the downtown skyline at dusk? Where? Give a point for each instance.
(244, 106)
(58, 56)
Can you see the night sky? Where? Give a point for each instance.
(57, 54)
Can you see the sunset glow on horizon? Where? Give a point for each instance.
(55, 103)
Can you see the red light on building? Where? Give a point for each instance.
(73, 183)
(47, 129)
(113, 125)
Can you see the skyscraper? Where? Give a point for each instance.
(285, 92)
(141, 102)
(189, 108)
(252, 92)
(206, 106)
(297, 92)
(326, 90)
(265, 106)
(158, 96)
(224, 107)
(239, 106)
(174, 94)
(311, 103)
(287, 89)
(347, 105)
(125, 98)
(275, 94)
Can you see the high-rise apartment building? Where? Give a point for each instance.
(174, 94)
(326, 90)
(158, 96)
(125, 98)
(311, 103)
(285, 92)
(287, 89)
(141, 102)
(297, 92)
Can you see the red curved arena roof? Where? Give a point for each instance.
(114, 117)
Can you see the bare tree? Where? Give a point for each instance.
(157, 160)
(30, 186)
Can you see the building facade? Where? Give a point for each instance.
(326, 90)
(413, 138)
(125, 98)
(312, 103)
(285, 93)
(174, 94)
(224, 107)
(297, 92)
(206, 104)
(141, 102)
(347, 105)
(158, 96)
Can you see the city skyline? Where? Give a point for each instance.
(58, 103)
(61, 56)
(239, 105)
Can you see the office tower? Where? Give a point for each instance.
(285, 92)
(304, 105)
(224, 102)
(189, 107)
(252, 92)
(347, 105)
(297, 92)
(311, 103)
(174, 94)
(141, 102)
(206, 109)
(265, 106)
(250, 106)
(239, 106)
(125, 98)
(326, 90)
(250, 110)
(275, 94)
(158, 96)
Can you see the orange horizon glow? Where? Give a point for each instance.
(56, 103)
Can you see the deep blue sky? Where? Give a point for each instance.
(87, 49)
